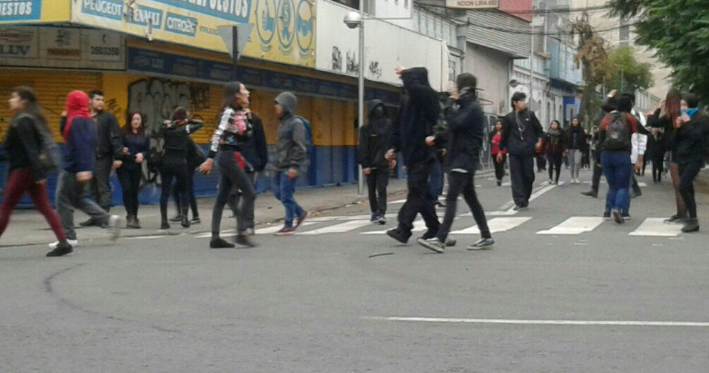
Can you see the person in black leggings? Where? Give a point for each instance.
(136, 150)
(234, 129)
(195, 157)
(554, 146)
(173, 165)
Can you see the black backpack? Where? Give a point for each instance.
(618, 135)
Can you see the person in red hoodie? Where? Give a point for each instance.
(495, 138)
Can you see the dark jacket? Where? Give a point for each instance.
(136, 145)
(176, 137)
(254, 149)
(109, 139)
(656, 146)
(554, 143)
(658, 120)
(690, 141)
(466, 132)
(80, 146)
(418, 114)
(291, 147)
(23, 146)
(520, 133)
(374, 139)
(575, 138)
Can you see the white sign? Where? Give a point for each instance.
(473, 4)
(391, 9)
(18, 42)
(387, 47)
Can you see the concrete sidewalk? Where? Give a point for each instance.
(28, 227)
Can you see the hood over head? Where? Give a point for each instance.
(77, 106)
(288, 102)
(371, 105)
(420, 74)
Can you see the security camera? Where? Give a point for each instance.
(353, 20)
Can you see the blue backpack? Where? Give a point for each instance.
(308, 136)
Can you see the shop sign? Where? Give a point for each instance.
(20, 10)
(473, 4)
(18, 43)
(284, 30)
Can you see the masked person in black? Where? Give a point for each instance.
(521, 137)
(690, 141)
(374, 139)
(466, 133)
(234, 129)
(173, 164)
(109, 153)
(419, 113)
(195, 157)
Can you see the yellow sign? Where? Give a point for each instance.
(284, 30)
(34, 11)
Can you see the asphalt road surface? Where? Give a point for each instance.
(561, 291)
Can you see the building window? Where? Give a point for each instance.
(624, 36)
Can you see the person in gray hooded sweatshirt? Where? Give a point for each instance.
(291, 158)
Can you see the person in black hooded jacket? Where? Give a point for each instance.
(419, 113)
(374, 139)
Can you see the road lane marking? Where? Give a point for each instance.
(338, 228)
(496, 225)
(545, 322)
(575, 225)
(656, 227)
(419, 226)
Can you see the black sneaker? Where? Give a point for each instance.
(196, 220)
(220, 243)
(185, 222)
(499, 182)
(590, 193)
(675, 219)
(176, 219)
(617, 216)
(607, 215)
(626, 216)
(482, 244)
(432, 244)
(399, 235)
(520, 208)
(61, 250)
(88, 223)
(382, 219)
(375, 218)
(165, 226)
(244, 241)
(285, 231)
(690, 226)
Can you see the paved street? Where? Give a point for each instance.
(562, 291)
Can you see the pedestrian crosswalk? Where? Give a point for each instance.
(574, 225)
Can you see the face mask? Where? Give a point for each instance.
(378, 112)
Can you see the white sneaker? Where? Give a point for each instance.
(115, 224)
(73, 243)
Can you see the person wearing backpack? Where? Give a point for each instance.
(617, 130)
(136, 150)
(374, 139)
(25, 149)
(291, 159)
(690, 142)
(234, 128)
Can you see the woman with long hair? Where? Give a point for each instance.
(554, 146)
(575, 142)
(23, 144)
(664, 117)
(136, 150)
(233, 129)
(495, 138)
(173, 164)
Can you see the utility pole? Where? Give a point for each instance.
(360, 95)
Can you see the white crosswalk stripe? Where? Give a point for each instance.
(419, 226)
(575, 225)
(656, 227)
(496, 225)
(337, 228)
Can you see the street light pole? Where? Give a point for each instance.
(360, 95)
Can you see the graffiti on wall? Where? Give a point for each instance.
(157, 98)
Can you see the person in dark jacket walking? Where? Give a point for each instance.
(575, 142)
(521, 136)
(109, 152)
(609, 105)
(418, 114)
(136, 150)
(690, 141)
(291, 159)
(23, 146)
(173, 164)
(657, 147)
(554, 145)
(79, 132)
(664, 117)
(466, 133)
(374, 140)
(195, 157)
(495, 138)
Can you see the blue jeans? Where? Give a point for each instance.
(283, 190)
(616, 167)
(435, 183)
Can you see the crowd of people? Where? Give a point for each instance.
(429, 137)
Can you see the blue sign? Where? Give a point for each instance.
(230, 10)
(192, 68)
(20, 10)
(111, 9)
(144, 15)
(180, 24)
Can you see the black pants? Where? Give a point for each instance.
(377, 182)
(417, 183)
(129, 175)
(634, 182)
(177, 195)
(459, 182)
(597, 173)
(658, 168)
(235, 199)
(541, 163)
(555, 161)
(173, 168)
(499, 167)
(522, 177)
(100, 184)
(233, 176)
(689, 172)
